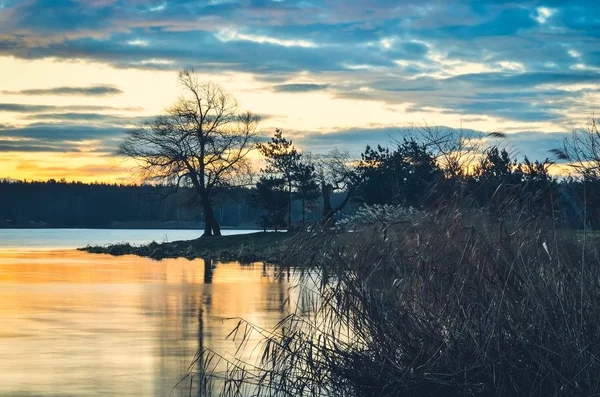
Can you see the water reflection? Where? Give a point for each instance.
(77, 324)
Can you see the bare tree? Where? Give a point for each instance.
(456, 151)
(582, 150)
(336, 173)
(201, 141)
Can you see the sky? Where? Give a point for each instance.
(75, 75)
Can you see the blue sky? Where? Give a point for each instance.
(332, 73)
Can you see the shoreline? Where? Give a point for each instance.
(245, 248)
(122, 227)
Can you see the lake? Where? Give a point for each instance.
(79, 324)
(75, 238)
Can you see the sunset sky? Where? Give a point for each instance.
(76, 74)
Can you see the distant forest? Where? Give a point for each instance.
(100, 205)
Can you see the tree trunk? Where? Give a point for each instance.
(211, 225)
(326, 191)
(303, 212)
(216, 228)
(329, 212)
(207, 223)
(289, 205)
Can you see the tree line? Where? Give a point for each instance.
(299, 188)
(74, 204)
(431, 169)
(58, 203)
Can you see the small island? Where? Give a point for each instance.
(252, 247)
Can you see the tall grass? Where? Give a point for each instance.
(450, 303)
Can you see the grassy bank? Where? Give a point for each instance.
(436, 305)
(251, 247)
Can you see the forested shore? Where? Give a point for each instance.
(58, 204)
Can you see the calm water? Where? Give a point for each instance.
(75, 238)
(78, 324)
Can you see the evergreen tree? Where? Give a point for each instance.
(270, 198)
(282, 159)
(407, 175)
(307, 189)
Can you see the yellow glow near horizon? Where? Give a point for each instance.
(84, 167)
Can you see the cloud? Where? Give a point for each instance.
(95, 90)
(507, 109)
(60, 137)
(529, 79)
(535, 145)
(58, 132)
(205, 51)
(340, 30)
(520, 97)
(27, 108)
(25, 147)
(354, 139)
(475, 58)
(96, 118)
(300, 87)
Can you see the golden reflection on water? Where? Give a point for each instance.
(77, 324)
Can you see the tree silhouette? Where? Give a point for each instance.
(307, 189)
(406, 175)
(335, 173)
(539, 188)
(496, 180)
(202, 141)
(282, 162)
(270, 198)
(582, 150)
